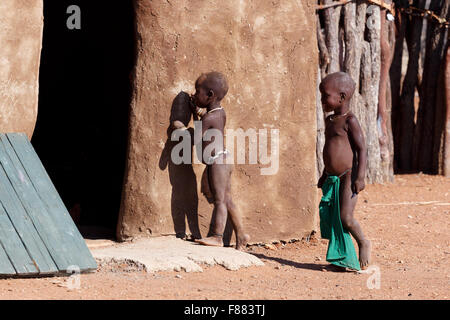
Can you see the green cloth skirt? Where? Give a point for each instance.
(341, 251)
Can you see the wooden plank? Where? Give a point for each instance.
(51, 199)
(35, 209)
(24, 227)
(13, 249)
(6, 268)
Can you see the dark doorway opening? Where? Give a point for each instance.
(84, 96)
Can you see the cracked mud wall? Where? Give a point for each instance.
(268, 52)
(21, 25)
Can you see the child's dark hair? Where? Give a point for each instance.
(346, 83)
(216, 82)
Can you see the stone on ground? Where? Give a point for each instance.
(172, 254)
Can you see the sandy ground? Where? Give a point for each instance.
(407, 222)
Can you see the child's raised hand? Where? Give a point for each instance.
(201, 111)
(198, 111)
(191, 102)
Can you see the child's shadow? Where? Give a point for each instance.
(300, 265)
(184, 200)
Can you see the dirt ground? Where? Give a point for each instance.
(407, 222)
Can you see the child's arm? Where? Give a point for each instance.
(356, 134)
(177, 124)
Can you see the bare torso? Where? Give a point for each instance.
(215, 119)
(337, 152)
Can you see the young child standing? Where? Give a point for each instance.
(345, 157)
(210, 89)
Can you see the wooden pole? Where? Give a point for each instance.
(446, 161)
(426, 142)
(437, 165)
(396, 78)
(392, 38)
(353, 27)
(407, 112)
(373, 145)
(331, 20)
(320, 140)
(324, 56)
(386, 59)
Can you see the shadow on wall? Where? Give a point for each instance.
(184, 198)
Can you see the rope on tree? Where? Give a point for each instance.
(413, 11)
(426, 14)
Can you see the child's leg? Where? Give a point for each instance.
(218, 182)
(241, 237)
(347, 203)
(205, 186)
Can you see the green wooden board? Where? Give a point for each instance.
(24, 227)
(78, 252)
(6, 268)
(37, 234)
(13, 248)
(36, 211)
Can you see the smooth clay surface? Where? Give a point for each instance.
(268, 52)
(21, 25)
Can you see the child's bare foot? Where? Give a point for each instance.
(242, 241)
(365, 248)
(215, 241)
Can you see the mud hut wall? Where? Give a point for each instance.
(268, 51)
(21, 25)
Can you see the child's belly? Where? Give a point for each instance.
(337, 155)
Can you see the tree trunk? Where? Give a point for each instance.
(331, 19)
(373, 145)
(437, 160)
(320, 142)
(390, 176)
(386, 59)
(324, 63)
(324, 56)
(427, 145)
(407, 111)
(446, 168)
(354, 25)
(395, 80)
